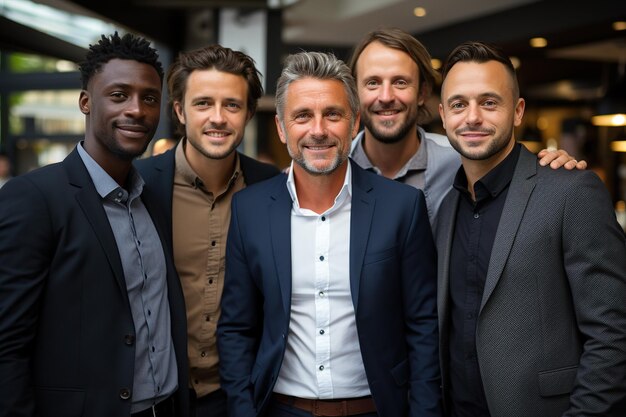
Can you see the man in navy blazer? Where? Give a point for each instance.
(329, 299)
(92, 317)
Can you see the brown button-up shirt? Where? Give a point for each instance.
(200, 222)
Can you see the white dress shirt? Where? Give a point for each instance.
(323, 357)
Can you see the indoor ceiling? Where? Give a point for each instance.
(582, 45)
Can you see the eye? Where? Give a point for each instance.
(233, 106)
(152, 99)
(334, 115)
(490, 103)
(301, 117)
(201, 103)
(401, 83)
(372, 84)
(457, 105)
(118, 95)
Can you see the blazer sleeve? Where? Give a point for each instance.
(419, 280)
(594, 255)
(239, 326)
(26, 248)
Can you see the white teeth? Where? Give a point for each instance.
(216, 134)
(317, 148)
(387, 113)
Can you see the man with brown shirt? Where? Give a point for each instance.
(213, 92)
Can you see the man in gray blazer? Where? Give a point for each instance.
(532, 264)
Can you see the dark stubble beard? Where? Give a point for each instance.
(390, 136)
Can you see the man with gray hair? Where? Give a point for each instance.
(329, 299)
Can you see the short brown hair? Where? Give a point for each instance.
(398, 39)
(211, 57)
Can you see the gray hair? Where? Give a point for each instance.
(318, 65)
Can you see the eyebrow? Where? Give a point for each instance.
(130, 86)
(484, 95)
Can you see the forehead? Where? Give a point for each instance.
(216, 83)
(313, 92)
(126, 72)
(377, 59)
(474, 78)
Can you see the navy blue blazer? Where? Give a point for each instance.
(393, 285)
(66, 329)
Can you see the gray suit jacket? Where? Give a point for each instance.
(551, 334)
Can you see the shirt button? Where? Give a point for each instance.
(153, 348)
(125, 393)
(323, 218)
(321, 294)
(321, 368)
(210, 281)
(207, 318)
(149, 312)
(322, 331)
(129, 339)
(203, 354)
(476, 215)
(213, 243)
(322, 258)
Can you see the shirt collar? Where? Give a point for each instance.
(106, 186)
(495, 181)
(344, 193)
(187, 173)
(417, 162)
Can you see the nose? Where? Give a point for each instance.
(318, 127)
(385, 94)
(474, 116)
(134, 107)
(216, 115)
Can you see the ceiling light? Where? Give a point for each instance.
(538, 42)
(619, 25)
(516, 62)
(419, 12)
(618, 146)
(435, 63)
(611, 110)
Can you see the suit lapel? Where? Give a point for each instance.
(522, 185)
(360, 220)
(280, 229)
(161, 185)
(445, 234)
(89, 201)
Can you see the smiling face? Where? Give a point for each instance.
(388, 81)
(122, 103)
(479, 110)
(318, 126)
(214, 113)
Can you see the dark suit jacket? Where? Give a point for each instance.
(158, 173)
(392, 280)
(66, 330)
(551, 335)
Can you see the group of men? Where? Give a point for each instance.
(202, 282)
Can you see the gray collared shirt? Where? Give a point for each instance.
(431, 169)
(143, 262)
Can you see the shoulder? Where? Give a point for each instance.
(261, 189)
(439, 148)
(255, 171)
(145, 164)
(383, 187)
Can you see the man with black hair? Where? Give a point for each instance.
(92, 318)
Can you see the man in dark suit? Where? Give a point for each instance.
(213, 92)
(329, 299)
(532, 265)
(92, 319)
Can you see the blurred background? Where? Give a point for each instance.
(570, 57)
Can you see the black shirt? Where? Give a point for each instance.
(474, 233)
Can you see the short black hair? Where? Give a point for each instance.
(111, 47)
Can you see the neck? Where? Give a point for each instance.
(318, 192)
(117, 168)
(214, 173)
(390, 158)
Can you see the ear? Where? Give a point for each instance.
(519, 112)
(180, 113)
(84, 102)
(279, 128)
(442, 115)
